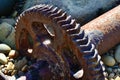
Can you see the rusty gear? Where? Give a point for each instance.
(69, 47)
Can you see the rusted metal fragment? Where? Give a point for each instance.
(108, 26)
(68, 42)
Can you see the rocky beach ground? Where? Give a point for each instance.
(14, 65)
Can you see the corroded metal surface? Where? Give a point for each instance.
(69, 48)
(105, 30)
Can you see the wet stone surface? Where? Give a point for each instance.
(113, 71)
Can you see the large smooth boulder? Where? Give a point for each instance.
(82, 10)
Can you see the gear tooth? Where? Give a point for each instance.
(66, 21)
(92, 48)
(84, 47)
(22, 15)
(40, 9)
(46, 6)
(62, 17)
(82, 42)
(39, 6)
(91, 53)
(74, 30)
(16, 21)
(77, 36)
(19, 17)
(15, 24)
(54, 10)
(69, 26)
(44, 11)
(103, 66)
(97, 68)
(58, 13)
(31, 10)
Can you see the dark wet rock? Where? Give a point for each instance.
(6, 7)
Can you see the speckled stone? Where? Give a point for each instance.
(3, 59)
(108, 60)
(117, 54)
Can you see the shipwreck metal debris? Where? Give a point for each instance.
(69, 49)
(105, 30)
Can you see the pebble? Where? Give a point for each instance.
(9, 72)
(119, 70)
(20, 73)
(115, 70)
(117, 78)
(13, 54)
(14, 14)
(5, 30)
(13, 72)
(3, 58)
(4, 48)
(10, 39)
(5, 71)
(24, 69)
(109, 70)
(2, 66)
(108, 60)
(11, 60)
(117, 54)
(10, 66)
(10, 21)
(111, 75)
(20, 63)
